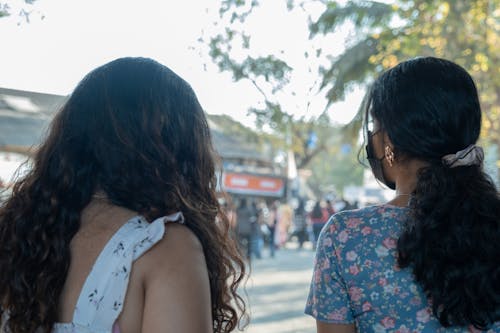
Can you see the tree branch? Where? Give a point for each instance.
(259, 89)
(308, 157)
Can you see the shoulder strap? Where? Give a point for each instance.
(155, 232)
(102, 296)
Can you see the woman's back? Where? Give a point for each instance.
(97, 228)
(357, 279)
(114, 258)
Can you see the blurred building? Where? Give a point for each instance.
(25, 117)
(246, 171)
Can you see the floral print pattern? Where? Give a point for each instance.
(356, 279)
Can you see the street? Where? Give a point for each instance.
(277, 291)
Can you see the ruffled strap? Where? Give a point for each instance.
(101, 300)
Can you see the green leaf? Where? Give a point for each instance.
(361, 13)
(351, 66)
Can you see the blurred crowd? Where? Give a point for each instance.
(262, 225)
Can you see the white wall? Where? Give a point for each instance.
(10, 163)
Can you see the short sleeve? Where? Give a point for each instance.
(328, 299)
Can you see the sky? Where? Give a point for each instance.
(52, 54)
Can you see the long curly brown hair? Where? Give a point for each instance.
(134, 130)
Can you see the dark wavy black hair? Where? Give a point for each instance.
(134, 130)
(429, 108)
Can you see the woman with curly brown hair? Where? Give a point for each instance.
(114, 228)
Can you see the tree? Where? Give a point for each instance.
(230, 47)
(4, 10)
(466, 32)
(337, 167)
(231, 127)
(24, 12)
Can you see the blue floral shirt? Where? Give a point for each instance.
(357, 280)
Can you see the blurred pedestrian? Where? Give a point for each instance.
(246, 218)
(230, 212)
(329, 208)
(285, 218)
(256, 237)
(300, 223)
(272, 222)
(318, 217)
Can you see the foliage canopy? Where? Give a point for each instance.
(466, 32)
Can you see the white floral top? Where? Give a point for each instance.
(102, 295)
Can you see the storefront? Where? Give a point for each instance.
(253, 185)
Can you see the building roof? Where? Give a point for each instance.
(30, 102)
(231, 147)
(25, 117)
(21, 130)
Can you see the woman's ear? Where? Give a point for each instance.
(388, 150)
(387, 141)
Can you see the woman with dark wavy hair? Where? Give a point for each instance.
(114, 228)
(428, 260)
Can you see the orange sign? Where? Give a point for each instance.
(253, 185)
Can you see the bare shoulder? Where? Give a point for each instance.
(178, 247)
(176, 284)
(180, 236)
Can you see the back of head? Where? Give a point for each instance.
(429, 108)
(138, 130)
(135, 131)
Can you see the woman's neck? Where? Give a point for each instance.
(406, 182)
